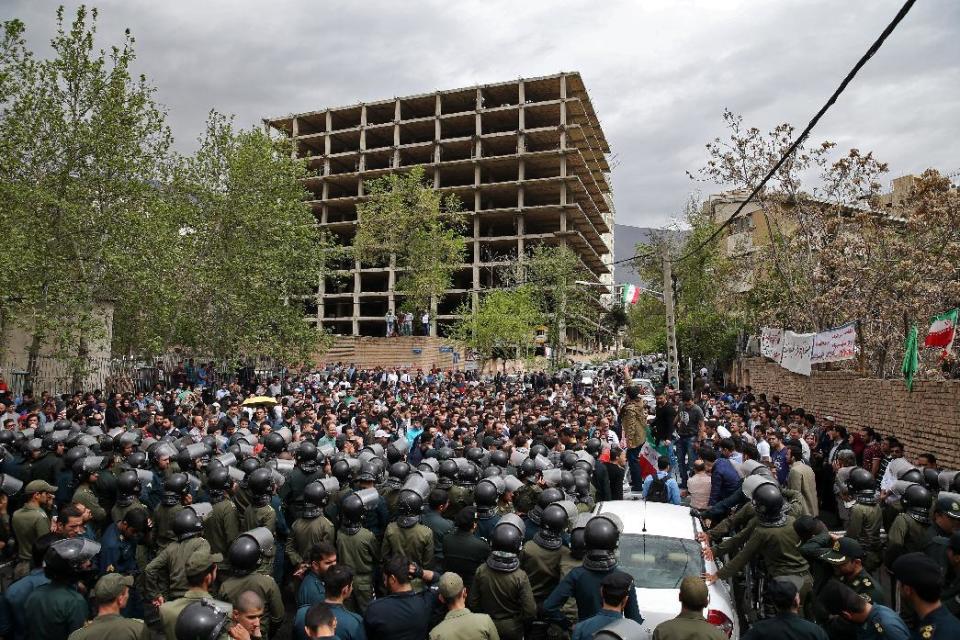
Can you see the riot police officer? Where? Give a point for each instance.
(312, 527)
(357, 547)
(245, 555)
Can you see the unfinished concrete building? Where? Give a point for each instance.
(526, 157)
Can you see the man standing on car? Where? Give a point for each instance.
(633, 421)
(690, 424)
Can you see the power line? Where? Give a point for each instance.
(806, 131)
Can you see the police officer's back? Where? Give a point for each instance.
(245, 556)
(784, 593)
(110, 596)
(463, 552)
(690, 623)
(55, 610)
(460, 623)
(870, 621)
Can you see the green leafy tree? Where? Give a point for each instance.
(502, 325)
(84, 148)
(249, 250)
(418, 227)
(554, 272)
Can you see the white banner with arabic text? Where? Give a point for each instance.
(771, 343)
(797, 349)
(834, 345)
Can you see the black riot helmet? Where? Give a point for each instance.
(137, 460)
(315, 499)
(369, 472)
(568, 460)
(499, 458)
(174, 488)
(862, 486)
(247, 550)
(261, 484)
(186, 524)
(528, 469)
(602, 532)
(128, 483)
(70, 559)
(307, 456)
(594, 446)
(447, 473)
(249, 464)
(916, 501)
(218, 479)
(547, 497)
(467, 475)
(931, 478)
(341, 471)
(539, 450)
(73, 455)
(474, 454)
(913, 475)
(352, 508)
(398, 473)
(554, 518)
(445, 453)
(485, 496)
(768, 503)
(409, 507)
(204, 619)
(274, 443)
(506, 541)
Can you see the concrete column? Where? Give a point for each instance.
(476, 251)
(294, 134)
(321, 289)
(363, 138)
(324, 214)
(391, 283)
(521, 231)
(396, 134)
(433, 315)
(356, 297)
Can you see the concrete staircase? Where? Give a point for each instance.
(408, 352)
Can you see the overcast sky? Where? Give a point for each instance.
(660, 73)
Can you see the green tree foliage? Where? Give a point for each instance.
(422, 229)
(502, 325)
(84, 148)
(707, 315)
(211, 253)
(249, 250)
(553, 271)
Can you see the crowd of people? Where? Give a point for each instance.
(384, 503)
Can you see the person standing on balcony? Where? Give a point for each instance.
(391, 320)
(425, 321)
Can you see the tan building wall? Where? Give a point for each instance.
(928, 419)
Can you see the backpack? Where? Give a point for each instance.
(658, 490)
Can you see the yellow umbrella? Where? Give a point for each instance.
(260, 401)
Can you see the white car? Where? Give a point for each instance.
(658, 547)
(587, 377)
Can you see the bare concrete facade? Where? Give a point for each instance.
(526, 157)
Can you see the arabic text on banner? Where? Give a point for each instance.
(771, 343)
(797, 349)
(835, 344)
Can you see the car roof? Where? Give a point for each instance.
(662, 519)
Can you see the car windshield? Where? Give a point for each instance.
(657, 562)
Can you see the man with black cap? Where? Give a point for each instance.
(110, 595)
(615, 589)
(951, 593)
(870, 621)
(201, 571)
(846, 556)
(921, 584)
(460, 623)
(690, 623)
(784, 593)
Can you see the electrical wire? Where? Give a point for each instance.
(804, 134)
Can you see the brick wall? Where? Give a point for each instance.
(928, 419)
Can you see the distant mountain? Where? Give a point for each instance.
(625, 241)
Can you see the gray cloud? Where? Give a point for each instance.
(660, 73)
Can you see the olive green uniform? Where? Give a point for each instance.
(291, 493)
(567, 564)
(361, 552)
(170, 610)
(463, 624)
(778, 546)
(263, 516)
(29, 524)
(689, 625)
(864, 525)
(166, 574)
(505, 597)
(305, 533)
(112, 627)
(221, 527)
(163, 524)
(542, 567)
(85, 496)
(906, 535)
(263, 586)
(459, 497)
(416, 543)
(118, 512)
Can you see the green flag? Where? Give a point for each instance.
(911, 357)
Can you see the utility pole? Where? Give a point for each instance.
(673, 359)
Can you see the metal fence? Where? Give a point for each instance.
(128, 374)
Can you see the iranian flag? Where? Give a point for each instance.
(631, 294)
(648, 459)
(942, 330)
